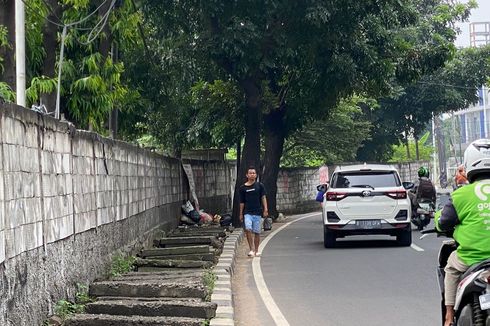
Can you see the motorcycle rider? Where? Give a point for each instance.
(467, 213)
(460, 178)
(423, 190)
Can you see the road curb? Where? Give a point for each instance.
(224, 270)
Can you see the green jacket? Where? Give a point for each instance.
(468, 213)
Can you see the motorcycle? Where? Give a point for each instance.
(472, 305)
(425, 211)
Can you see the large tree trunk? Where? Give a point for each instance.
(50, 44)
(274, 146)
(251, 147)
(7, 19)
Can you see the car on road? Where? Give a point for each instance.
(366, 199)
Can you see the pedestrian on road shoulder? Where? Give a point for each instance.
(253, 206)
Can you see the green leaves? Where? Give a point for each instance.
(425, 150)
(40, 85)
(6, 93)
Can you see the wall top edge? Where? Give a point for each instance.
(28, 116)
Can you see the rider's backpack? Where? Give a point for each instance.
(425, 189)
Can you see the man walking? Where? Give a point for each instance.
(253, 205)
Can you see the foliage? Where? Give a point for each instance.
(209, 279)
(40, 85)
(6, 93)
(407, 112)
(334, 138)
(121, 264)
(65, 308)
(218, 114)
(3, 43)
(425, 151)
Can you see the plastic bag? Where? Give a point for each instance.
(205, 217)
(225, 220)
(187, 207)
(267, 223)
(319, 196)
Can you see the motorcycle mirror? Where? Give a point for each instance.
(322, 187)
(408, 185)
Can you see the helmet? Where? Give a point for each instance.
(423, 172)
(477, 159)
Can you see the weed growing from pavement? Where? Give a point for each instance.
(209, 279)
(121, 264)
(65, 308)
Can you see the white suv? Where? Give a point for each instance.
(366, 199)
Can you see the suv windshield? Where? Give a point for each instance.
(366, 180)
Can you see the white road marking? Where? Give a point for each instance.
(416, 248)
(266, 296)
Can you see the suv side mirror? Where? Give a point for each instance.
(408, 185)
(322, 187)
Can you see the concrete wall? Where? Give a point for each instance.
(69, 199)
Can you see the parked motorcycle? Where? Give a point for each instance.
(425, 211)
(472, 307)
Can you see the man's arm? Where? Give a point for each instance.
(449, 218)
(242, 206)
(265, 212)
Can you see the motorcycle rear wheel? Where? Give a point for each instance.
(472, 315)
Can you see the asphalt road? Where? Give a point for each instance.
(367, 280)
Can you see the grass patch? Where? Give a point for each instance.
(65, 308)
(121, 264)
(209, 279)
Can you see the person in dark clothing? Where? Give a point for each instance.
(253, 206)
(423, 190)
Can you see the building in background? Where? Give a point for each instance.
(472, 123)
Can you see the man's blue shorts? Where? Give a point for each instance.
(252, 222)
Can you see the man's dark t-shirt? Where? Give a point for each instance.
(251, 196)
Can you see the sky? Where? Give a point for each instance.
(480, 14)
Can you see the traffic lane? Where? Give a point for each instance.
(367, 282)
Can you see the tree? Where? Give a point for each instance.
(293, 60)
(331, 139)
(399, 151)
(452, 87)
(7, 44)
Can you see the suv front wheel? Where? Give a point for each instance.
(328, 237)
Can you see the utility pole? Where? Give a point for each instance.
(485, 133)
(434, 155)
(20, 53)
(441, 152)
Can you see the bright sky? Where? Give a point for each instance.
(480, 14)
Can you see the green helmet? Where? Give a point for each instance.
(423, 172)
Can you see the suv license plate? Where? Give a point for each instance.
(368, 224)
(485, 301)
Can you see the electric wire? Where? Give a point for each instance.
(72, 24)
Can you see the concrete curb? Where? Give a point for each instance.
(224, 269)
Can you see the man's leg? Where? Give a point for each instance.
(248, 231)
(257, 241)
(256, 231)
(454, 269)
